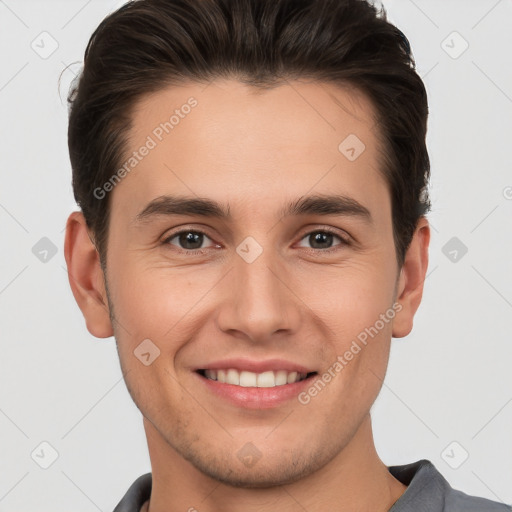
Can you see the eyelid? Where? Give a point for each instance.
(345, 238)
(186, 229)
(343, 235)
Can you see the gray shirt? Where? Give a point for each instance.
(427, 491)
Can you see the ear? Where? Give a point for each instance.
(86, 277)
(411, 279)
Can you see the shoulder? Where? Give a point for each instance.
(458, 501)
(428, 491)
(138, 493)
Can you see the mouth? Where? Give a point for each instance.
(249, 384)
(248, 379)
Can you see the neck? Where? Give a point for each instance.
(355, 479)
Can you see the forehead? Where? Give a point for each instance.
(230, 141)
(281, 115)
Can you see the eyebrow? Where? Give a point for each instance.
(321, 204)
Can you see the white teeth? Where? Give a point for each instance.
(266, 380)
(291, 377)
(281, 377)
(232, 377)
(247, 379)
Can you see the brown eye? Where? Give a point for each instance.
(187, 240)
(323, 240)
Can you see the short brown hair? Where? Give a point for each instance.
(147, 45)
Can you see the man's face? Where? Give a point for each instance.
(300, 303)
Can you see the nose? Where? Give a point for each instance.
(259, 302)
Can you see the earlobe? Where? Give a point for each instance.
(86, 276)
(411, 279)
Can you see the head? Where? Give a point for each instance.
(279, 127)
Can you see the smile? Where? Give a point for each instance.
(246, 379)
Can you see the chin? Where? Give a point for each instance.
(270, 470)
(264, 478)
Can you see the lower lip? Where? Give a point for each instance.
(253, 397)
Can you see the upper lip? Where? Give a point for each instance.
(256, 366)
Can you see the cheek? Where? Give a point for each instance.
(358, 309)
(164, 305)
(349, 299)
(149, 301)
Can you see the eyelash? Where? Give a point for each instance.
(193, 252)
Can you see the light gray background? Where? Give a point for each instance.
(450, 380)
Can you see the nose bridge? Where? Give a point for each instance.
(260, 302)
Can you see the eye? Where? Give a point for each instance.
(322, 237)
(191, 241)
(188, 240)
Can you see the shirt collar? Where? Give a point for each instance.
(425, 484)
